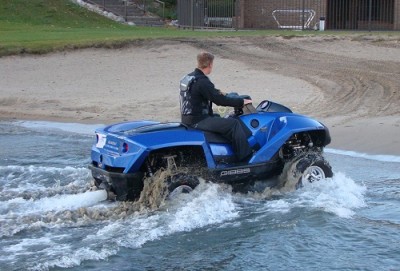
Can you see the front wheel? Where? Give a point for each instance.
(305, 168)
(313, 167)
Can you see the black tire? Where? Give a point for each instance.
(182, 183)
(303, 169)
(312, 167)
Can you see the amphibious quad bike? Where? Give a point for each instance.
(126, 153)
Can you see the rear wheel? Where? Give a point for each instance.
(182, 184)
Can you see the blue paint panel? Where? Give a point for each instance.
(127, 144)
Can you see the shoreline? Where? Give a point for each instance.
(350, 86)
(360, 136)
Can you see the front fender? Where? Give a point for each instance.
(282, 129)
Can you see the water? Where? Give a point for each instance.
(51, 221)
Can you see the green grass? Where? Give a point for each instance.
(42, 26)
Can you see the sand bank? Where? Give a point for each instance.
(353, 86)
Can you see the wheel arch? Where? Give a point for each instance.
(182, 156)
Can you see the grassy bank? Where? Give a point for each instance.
(42, 26)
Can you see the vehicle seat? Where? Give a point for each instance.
(215, 138)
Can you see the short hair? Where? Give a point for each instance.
(204, 59)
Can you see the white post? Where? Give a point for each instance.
(322, 24)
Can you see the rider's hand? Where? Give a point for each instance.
(247, 101)
(221, 92)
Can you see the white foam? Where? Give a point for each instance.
(18, 181)
(206, 205)
(27, 242)
(56, 203)
(76, 258)
(280, 206)
(339, 195)
(378, 157)
(208, 208)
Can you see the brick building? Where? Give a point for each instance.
(306, 14)
(291, 14)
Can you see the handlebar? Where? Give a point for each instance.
(236, 95)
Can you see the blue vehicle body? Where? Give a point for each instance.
(124, 153)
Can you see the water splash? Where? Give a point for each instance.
(339, 195)
(20, 214)
(208, 204)
(35, 182)
(44, 208)
(287, 181)
(132, 224)
(56, 203)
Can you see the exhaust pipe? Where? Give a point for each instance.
(107, 188)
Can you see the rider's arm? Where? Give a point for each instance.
(217, 97)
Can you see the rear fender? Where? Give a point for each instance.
(104, 159)
(170, 139)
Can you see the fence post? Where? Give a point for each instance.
(370, 15)
(236, 11)
(302, 15)
(126, 11)
(192, 14)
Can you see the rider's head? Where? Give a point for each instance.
(205, 62)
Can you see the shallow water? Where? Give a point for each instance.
(51, 221)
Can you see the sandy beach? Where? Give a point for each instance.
(350, 84)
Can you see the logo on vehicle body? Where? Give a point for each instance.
(113, 143)
(235, 172)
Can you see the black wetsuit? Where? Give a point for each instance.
(196, 111)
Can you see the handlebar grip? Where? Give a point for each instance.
(236, 95)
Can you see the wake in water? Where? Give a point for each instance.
(62, 210)
(43, 207)
(208, 204)
(49, 219)
(105, 227)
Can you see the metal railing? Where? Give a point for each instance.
(151, 6)
(361, 14)
(206, 13)
(127, 8)
(290, 14)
